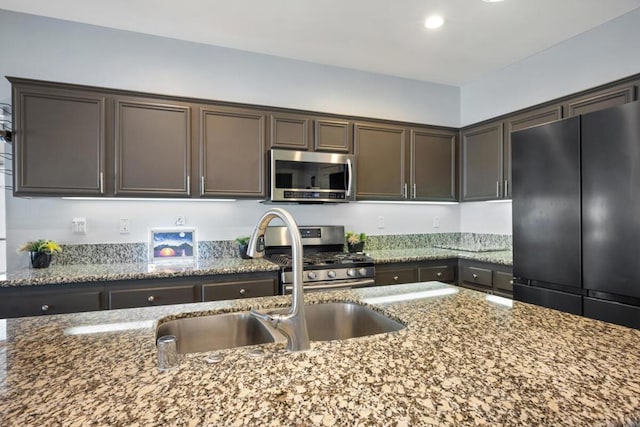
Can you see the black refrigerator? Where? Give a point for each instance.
(576, 215)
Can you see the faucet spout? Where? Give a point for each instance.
(293, 324)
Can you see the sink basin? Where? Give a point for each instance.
(207, 333)
(343, 320)
(325, 322)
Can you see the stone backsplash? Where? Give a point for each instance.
(116, 253)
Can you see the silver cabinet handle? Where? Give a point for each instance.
(101, 183)
(475, 276)
(242, 292)
(498, 189)
(439, 274)
(404, 191)
(151, 298)
(506, 188)
(188, 185)
(44, 308)
(350, 177)
(395, 277)
(414, 191)
(202, 185)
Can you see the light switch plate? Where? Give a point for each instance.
(123, 226)
(181, 220)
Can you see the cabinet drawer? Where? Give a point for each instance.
(503, 281)
(479, 276)
(441, 273)
(240, 289)
(127, 298)
(400, 275)
(49, 303)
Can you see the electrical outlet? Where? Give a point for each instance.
(380, 221)
(436, 222)
(79, 225)
(181, 220)
(124, 226)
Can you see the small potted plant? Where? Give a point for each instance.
(355, 241)
(243, 243)
(41, 251)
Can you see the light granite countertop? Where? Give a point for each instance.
(462, 360)
(81, 273)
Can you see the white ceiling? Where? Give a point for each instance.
(381, 36)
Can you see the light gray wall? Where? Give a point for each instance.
(49, 49)
(603, 54)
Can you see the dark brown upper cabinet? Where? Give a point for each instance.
(523, 121)
(432, 162)
(232, 152)
(601, 99)
(333, 135)
(59, 143)
(152, 148)
(290, 131)
(381, 166)
(482, 162)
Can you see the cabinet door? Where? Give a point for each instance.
(145, 297)
(599, 100)
(380, 156)
(36, 302)
(395, 274)
(239, 289)
(440, 273)
(433, 165)
(232, 152)
(524, 121)
(59, 141)
(482, 162)
(152, 148)
(290, 131)
(503, 281)
(333, 135)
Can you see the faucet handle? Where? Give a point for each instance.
(272, 320)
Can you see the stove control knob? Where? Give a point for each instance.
(351, 272)
(312, 275)
(363, 271)
(331, 274)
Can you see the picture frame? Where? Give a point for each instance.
(173, 245)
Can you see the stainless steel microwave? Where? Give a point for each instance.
(301, 176)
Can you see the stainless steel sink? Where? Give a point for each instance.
(343, 320)
(207, 333)
(325, 322)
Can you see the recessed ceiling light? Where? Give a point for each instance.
(434, 21)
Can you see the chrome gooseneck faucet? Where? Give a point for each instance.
(293, 324)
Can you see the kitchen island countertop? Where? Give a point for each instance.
(86, 273)
(462, 360)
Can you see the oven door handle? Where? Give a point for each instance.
(320, 286)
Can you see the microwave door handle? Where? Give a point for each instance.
(350, 177)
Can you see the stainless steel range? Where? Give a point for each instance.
(325, 264)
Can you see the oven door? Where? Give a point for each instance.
(335, 285)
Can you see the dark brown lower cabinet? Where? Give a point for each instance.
(53, 299)
(486, 277)
(239, 289)
(424, 271)
(73, 298)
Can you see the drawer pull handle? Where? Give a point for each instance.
(151, 298)
(395, 277)
(242, 292)
(45, 308)
(475, 276)
(439, 274)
